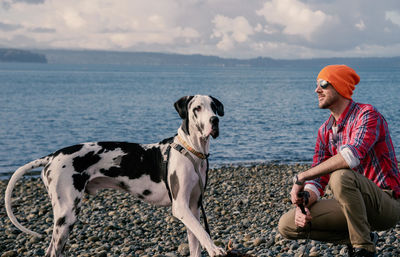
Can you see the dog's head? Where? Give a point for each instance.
(199, 114)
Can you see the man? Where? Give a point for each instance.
(354, 155)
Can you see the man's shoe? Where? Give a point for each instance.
(361, 252)
(352, 252)
(374, 237)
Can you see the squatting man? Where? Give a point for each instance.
(354, 155)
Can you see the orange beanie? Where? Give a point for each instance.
(342, 77)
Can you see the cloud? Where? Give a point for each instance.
(360, 25)
(393, 16)
(7, 4)
(231, 31)
(9, 27)
(29, 1)
(295, 17)
(101, 24)
(42, 30)
(73, 19)
(170, 36)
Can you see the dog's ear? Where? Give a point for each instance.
(181, 106)
(219, 107)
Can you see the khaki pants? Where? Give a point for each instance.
(359, 207)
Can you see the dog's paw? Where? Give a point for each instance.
(216, 251)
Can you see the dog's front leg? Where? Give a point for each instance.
(194, 244)
(183, 213)
(196, 232)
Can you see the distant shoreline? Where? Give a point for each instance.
(173, 59)
(65, 56)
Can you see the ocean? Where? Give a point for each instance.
(271, 113)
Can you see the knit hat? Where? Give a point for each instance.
(342, 78)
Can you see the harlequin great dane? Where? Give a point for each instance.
(134, 168)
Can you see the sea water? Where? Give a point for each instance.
(271, 113)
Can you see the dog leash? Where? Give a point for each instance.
(186, 153)
(305, 195)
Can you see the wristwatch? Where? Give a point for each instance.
(297, 182)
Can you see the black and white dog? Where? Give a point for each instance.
(134, 168)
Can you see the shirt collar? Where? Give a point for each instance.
(343, 117)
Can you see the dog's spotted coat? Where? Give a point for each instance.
(134, 168)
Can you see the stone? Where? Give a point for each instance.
(10, 254)
(258, 241)
(184, 250)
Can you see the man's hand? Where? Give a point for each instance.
(301, 219)
(294, 194)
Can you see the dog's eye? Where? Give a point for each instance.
(197, 109)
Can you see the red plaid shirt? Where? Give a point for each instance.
(364, 132)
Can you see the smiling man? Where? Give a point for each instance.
(354, 155)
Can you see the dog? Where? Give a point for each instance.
(135, 168)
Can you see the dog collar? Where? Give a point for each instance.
(190, 149)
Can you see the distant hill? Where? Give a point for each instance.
(170, 59)
(149, 58)
(138, 58)
(15, 55)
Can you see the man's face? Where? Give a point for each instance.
(326, 97)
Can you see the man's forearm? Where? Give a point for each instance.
(336, 162)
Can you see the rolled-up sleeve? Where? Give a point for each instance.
(365, 135)
(349, 157)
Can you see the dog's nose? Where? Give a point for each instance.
(214, 120)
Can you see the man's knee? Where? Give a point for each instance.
(287, 226)
(340, 180)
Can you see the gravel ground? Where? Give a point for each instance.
(243, 204)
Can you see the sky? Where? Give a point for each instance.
(280, 29)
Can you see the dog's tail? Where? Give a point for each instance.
(13, 180)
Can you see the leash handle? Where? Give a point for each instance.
(306, 196)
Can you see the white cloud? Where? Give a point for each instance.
(73, 19)
(157, 21)
(360, 25)
(295, 17)
(393, 16)
(258, 28)
(231, 31)
(374, 50)
(96, 24)
(126, 40)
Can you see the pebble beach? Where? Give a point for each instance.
(243, 204)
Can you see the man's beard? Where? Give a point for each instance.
(328, 102)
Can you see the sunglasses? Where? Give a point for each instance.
(323, 83)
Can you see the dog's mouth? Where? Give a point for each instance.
(214, 132)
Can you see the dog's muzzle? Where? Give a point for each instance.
(214, 126)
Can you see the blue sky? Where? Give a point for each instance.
(287, 29)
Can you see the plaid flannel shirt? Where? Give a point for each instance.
(362, 137)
